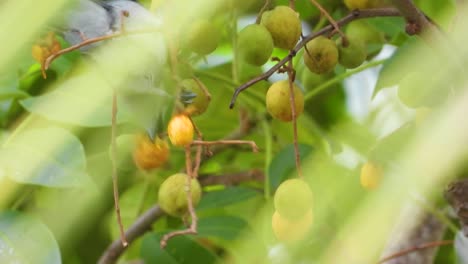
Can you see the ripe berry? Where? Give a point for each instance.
(200, 102)
(284, 25)
(321, 55)
(371, 175)
(180, 130)
(149, 154)
(291, 230)
(172, 196)
(278, 104)
(202, 37)
(255, 44)
(352, 55)
(293, 199)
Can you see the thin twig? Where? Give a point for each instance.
(227, 142)
(192, 230)
(292, 4)
(332, 21)
(416, 248)
(199, 151)
(292, 102)
(264, 8)
(354, 15)
(114, 169)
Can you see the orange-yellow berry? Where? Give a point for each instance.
(371, 175)
(150, 154)
(180, 130)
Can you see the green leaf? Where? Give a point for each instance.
(84, 100)
(221, 198)
(284, 163)
(50, 157)
(179, 250)
(225, 227)
(24, 239)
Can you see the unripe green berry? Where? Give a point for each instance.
(255, 44)
(284, 25)
(352, 55)
(293, 199)
(321, 55)
(199, 104)
(172, 196)
(278, 101)
(202, 37)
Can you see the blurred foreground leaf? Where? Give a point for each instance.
(225, 227)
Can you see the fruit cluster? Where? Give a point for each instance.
(293, 216)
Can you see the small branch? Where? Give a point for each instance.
(264, 8)
(199, 151)
(292, 102)
(417, 21)
(114, 169)
(227, 142)
(354, 15)
(417, 248)
(292, 4)
(330, 19)
(233, 178)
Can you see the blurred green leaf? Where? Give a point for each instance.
(24, 239)
(228, 196)
(225, 227)
(284, 163)
(179, 250)
(50, 157)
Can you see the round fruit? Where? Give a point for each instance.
(372, 38)
(293, 199)
(149, 154)
(352, 55)
(358, 4)
(371, 175)
(172, 196)
(180, 130)
(321, 55)
(311, 80)
(284, 25)
(202, 37)
(255, 44)
(291, 230)
(278, 104)
(200, 102)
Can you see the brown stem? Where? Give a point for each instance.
(413, 15)
(354, 15)
(114, 169)
(292, 4)
(332, 21)
(188, 188)
(198, 155)
(417, 248)
(292, 102)
(227, 142)
(264, 8)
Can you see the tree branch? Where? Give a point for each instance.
(354, 15)
(146, 220)
(417, 21)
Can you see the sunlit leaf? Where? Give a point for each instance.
(24, 239)
(50, 157)
(225, 227)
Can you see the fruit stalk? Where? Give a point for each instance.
(292, 100)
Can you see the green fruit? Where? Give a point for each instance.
(172, 197)
(372, 38)
(202, 37)
(353, 55)
(277, 101)
(200, 102)
(311, 80)
(293, 199)
(321, 55)
(284, 25)
(255, 44)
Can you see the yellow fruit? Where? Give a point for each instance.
(199, 104)
(293, 199)
(358, 4)
(180, 130)
(255, 44)
(172, 196)
(371, 175)
(290, 231)
(149, 154)
(277, 101)
(321, 55)
(284, 25)
(202, 37)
